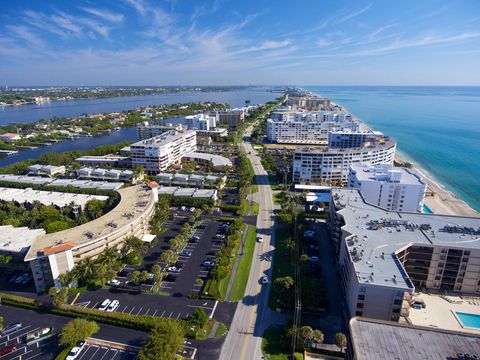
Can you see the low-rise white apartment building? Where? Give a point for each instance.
(158, 153)
(391, 188)
(324, 165)
(147, 130)
(384, 255)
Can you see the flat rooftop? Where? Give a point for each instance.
(88, 184)
(18, 239)
(379, 234)
(165, 138)
(384, 143)
(58, 199)
(380, 340)
(216, 160)
(133, 202)
(21, 179)
(366, 172)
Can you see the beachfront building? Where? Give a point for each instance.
(158, 153)
(392, 188)
(383, 255)
(300, 127)
(57, 253)
(309, 102)
(324, 165)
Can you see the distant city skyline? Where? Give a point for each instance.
(220, 42)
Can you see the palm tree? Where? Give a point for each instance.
(109, 256)
(134, 244)
(85, 270)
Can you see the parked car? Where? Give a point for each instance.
(208, 263)
(170, 278)
(220, 236)
(114, 282)
(183, 208)
(260, 239)
(72, 355)
(186, 253)
(313, 258)
(174, 269)
(113, 306)
(264, 279)
(8, 349)
(11, 328)
(192, 209)
(104, 305)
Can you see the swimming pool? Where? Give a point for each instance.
(468, 320)
(426, 209)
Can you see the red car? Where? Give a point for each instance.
(8, 349)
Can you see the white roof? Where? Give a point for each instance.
(18, 239)
(216, 160)
(148, 238)
(25, 179)
(46, 197)
(88, 184)
(312, 187)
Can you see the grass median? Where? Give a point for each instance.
(243, 270)
(255, 208)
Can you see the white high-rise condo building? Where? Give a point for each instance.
(392, 188)
(383, 255)
(201, 122)
(317, 165)
(158, 153)
(300, 127)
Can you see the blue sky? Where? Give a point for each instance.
(146, 42)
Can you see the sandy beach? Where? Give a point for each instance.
(443, 202)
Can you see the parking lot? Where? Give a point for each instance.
(97, 352)
(46, 348)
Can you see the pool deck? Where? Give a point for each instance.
(440, 313)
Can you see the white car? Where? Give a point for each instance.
(104, 305)
(192, 209)
(174, 269)
(72, 355)
(313, 258)
(260, 238)
(264, 279)
(114, 282)
(113, 306)
(183, 208)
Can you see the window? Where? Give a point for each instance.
(361, 297)
(360, 305)
(397, 302)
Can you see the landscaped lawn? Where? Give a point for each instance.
(202, 334)
(255, 208)
(221, 330)
(241, 276)
(273, 344)
(282, 264)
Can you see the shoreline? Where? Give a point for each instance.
(444, 201)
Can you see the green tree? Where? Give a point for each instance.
(198, 318)
(56, 226)
(59, 296)
(165, 341)
(94, 208)
(136, 277)
(283, 284)
(341, 340)
(304, 258)
(1, 323)
(109, 256)
(135, 245)
(77, 330)
(85, 270)
(167, 257)
(157, 272)
(305, 334)
(318, 336)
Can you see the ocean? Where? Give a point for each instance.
(437, 128)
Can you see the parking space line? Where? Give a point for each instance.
(170, 314)
(95, 306)
(178, 315)
(162, 313)
(139, 310)
(124, 308)
(132, 310)
(147, 312)
(200, 306)
(155, 312)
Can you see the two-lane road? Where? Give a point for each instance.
(244, 338)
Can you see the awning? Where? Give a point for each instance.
(148, 238)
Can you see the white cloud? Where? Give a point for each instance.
(324, 42)
(354, 14)
(24, 33)
(104, 14)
